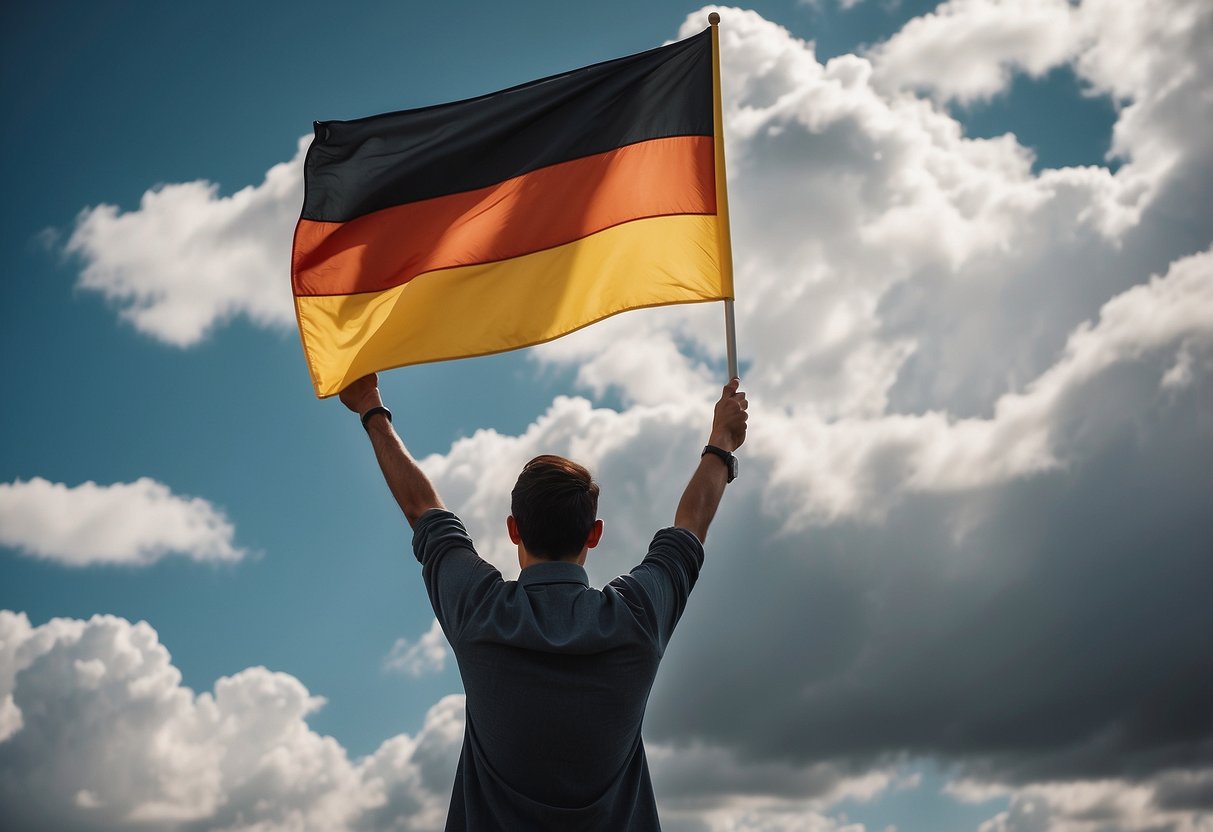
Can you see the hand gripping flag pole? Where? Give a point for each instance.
(722, 203)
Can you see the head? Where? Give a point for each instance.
(554, 509)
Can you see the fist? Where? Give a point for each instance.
(362, 394)
(729, 418)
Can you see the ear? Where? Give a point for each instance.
(594, 536)
(511, 526)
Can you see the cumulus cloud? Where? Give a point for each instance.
(1092, 806)
(133, 523)
(846, 464)
(242, 757)
(710, 788)
(419, 658)
(970, 49)
(189, 258)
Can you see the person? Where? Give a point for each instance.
(556, 674)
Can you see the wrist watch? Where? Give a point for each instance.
(366, 417)
(728, 458)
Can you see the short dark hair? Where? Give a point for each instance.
(555, 504)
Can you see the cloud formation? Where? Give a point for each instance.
(188, 259)
(1089, 806)
(969, 50)
(133, 524)
(419, 658)
(79, 695)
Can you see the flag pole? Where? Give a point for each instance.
(725, 251)
(730, 339)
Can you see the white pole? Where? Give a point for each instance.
(730, 338)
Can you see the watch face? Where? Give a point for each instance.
(732, 468)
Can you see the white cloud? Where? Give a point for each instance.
(1183, 372)
(110, 739)
(975, 791)
(188, 259)
(761, 815)
(843, 464)
(1147, 56)
(133, 523)
(842, 4)
(1154, 59)
(970, 49)
(710, 788)
(1097, 805)
(424, 656)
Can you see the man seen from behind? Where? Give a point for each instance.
(556, 673)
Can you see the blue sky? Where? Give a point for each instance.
(981, 437)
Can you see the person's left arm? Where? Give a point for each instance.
(414, 492)
(666, 577)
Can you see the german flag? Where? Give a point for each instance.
(511, 219)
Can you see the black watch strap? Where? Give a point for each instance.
(366, 417)
(729, 460)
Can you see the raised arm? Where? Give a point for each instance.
(702, 496)
(408, 483)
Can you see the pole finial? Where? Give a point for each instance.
(713, 19)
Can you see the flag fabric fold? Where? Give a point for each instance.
(511, 219)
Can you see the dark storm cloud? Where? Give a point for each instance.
(1052, 628)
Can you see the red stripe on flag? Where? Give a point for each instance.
(536, 211)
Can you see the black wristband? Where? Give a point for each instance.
(727, 458)
(366, 417)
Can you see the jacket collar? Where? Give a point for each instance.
(554, 572)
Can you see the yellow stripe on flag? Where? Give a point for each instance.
(493, 307)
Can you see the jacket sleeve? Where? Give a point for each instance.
(456, 578)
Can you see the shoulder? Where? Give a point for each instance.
(439, 530)
(670, 567)
(679, 544)
(437, 517)
(658, 588)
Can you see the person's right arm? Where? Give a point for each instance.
(414, 492)
(702, 496)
